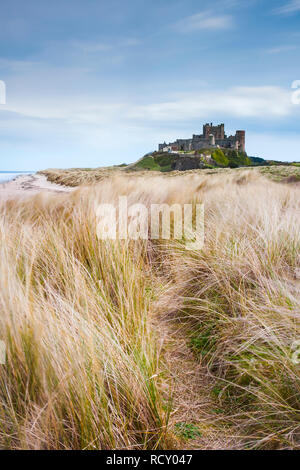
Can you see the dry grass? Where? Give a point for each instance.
(240, 303)
(82, 361)
(79, 176)
(282, 173)
(90, 326)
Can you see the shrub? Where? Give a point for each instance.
(220, 158)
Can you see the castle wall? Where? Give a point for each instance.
(210, 134)
(200, 144)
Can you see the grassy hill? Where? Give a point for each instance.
(206, 158)
(173, 164)
(155, 161)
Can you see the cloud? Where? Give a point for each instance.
(98, 46)
(72, 95)
(63, 111)
(259, 102)
(266, 102)
(279, 49)
(291, 7)
(204, 21)
(63, 128)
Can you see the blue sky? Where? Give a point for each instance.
(92, 82)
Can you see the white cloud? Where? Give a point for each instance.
(291, 7)
(280, 49)
(40, 91)
(97, 46)
(259, 102)
(64, 128)
(206, 20)
(61, 110)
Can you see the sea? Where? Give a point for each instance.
(11, 175)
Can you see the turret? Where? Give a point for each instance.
(241, 138)
(212, 140)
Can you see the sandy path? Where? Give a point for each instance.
(28, 185)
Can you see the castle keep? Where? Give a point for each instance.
(212, 136)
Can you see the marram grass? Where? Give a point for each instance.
(86, 366)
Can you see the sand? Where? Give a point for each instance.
(27, 185)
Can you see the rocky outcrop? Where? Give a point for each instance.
(182, 163)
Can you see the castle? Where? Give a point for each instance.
(213, 136)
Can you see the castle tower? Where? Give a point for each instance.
(217, 131)
(241, 138)
(212, 140)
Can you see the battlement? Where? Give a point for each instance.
(212, 136)
(217, 131)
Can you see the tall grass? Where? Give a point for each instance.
(78, 176)
(85, 365)
(240, 299)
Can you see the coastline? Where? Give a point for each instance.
(27, 185)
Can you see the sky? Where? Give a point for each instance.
(92, 83)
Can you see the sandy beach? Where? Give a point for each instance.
(28, 185)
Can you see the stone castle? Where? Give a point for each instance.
(213, 136)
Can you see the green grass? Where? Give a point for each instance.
(148, 163)
(187, 430)
(278, 173)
